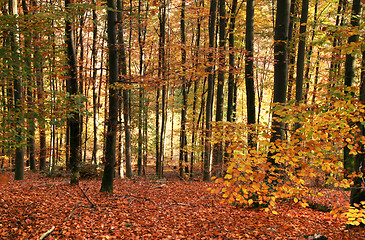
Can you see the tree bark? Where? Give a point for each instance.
(73, 90)
(18, 98)
(249, 71)
(183, 157)
(350, 70)
(112, 121)
(280, 67)
(210, 93)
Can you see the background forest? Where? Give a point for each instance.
(265, 96)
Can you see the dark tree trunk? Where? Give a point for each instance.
(112, 121)
(18, 99)
(73, 90)
(218, 147)
(210, 93)
(280, 67)
(350, 70)
(357, 191)
(301, 55)
(301, 51)
(309, 54)
(196, 83)
(183, 158)
(125, 93)
(291, 45)
(249, 71)
(232, 67)
(30, 102)
(94, 53)
(141, 42)
(162, 75)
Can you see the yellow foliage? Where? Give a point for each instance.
(297, 163)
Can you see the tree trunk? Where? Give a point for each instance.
(112, 121)
(291, 45)
(218, 147)
(183, 158)
(280, 67)
(94, 54)
(357, 191)
(125, 93)
(73, 90)
(232, 67)
(196, 83)
(162, 76)
(18, 98)
(210, 93)
(350, 71)
(249, 71)
(301, 55)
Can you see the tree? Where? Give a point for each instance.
(249, 69)
(111, 134)
(349, 66)
(280, 66)
(160, 131)
(125, 93)
(73, 90)
(357, 191)
(183, 158)
(232, 67)
(18, 97)
(210, 93)
(301, 54)
(218, 147)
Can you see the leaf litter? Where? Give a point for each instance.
(147, 209)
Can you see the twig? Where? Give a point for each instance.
(181, 204)
(46, 234)
(72, 211)
(88, 199)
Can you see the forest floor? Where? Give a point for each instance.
(151, 209)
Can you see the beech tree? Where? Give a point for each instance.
(18, 96)
(350, 68)
(210, 93)
(249, 69)
(280, 64)
(110, 144)
(73, 90)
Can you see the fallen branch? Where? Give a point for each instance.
(46, 234)
(181, 204)
(88, 199)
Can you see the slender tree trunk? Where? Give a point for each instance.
(183, 158)
(112, 121)
(196, 83)
(280, 67)
(291, 45)
(301, 55)
(94, 53)
(350, 69)
(301, 51)
(232, 67)
(18, 97)
(357, 192)
(249, 71)
(140, 91)
(30, 101)
(210, 93)
(73, 90)
(125, 93)
(162, 74)
(218, 147)
(309, 54)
